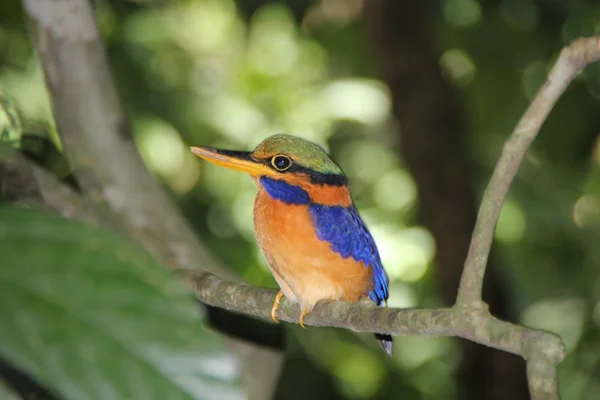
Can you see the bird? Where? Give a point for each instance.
(307, 227)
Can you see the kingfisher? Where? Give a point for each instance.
(305, 222)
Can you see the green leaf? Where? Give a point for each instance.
(92, 316)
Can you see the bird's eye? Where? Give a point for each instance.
(281, 163)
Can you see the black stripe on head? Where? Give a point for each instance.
(320, 178)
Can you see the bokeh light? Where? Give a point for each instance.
(565, 317)
(586, 211)
(395, 191)
(459, 65)
(533, 77)
(462, 13)
(511, 224)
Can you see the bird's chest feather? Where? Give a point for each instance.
(306, 268)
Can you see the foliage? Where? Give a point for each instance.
(91, 315)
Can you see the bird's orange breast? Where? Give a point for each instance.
(306, 268)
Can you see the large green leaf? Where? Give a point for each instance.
(92, 316)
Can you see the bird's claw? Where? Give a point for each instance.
(275, 307)
(278, 298)
(302, 314)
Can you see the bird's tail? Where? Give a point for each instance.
(386, 342)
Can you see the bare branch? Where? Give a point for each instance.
(573, 59)
(96, 135)
(363, 316)
(541, 370)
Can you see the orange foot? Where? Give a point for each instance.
(276, 306)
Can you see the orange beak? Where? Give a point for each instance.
(236, 160)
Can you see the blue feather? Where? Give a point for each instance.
(281, 190)
(348, 236)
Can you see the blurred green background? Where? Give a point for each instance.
(229, 74)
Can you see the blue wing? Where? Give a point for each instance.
(347, 234)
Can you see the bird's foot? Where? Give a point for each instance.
(276, 306)
(302, 314)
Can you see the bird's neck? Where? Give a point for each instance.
(305, 193)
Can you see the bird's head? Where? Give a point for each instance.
(290, 159)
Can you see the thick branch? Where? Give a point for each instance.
(541, 371)
(573, 59)
(96, 135)
(365, 317)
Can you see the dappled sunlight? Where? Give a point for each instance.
(160, 145)
(361, 100)
(28, 90)
(309, 119)
(224, 184)
(459, 65)
(414, 351)
(586, 211)
(462, 13)
(273, 48)
(565, 317)
(165, 153)
(533, 76)
(395, 191)
(140, 28)
(442, 388)
(235, 117)
(511, 224)
(405, 252)
(206, 27)
(366, 160)
(402, 295)
(243, 213)
(359, 371)
(332, 11)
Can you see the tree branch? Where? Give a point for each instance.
(572, 60)
(96, 135)
(364, 316)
